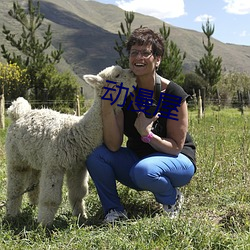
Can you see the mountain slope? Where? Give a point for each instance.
(88, 31)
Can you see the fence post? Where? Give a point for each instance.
(2, 107)
(199, 106)
(219, 100)
(78, 113)
(45, 97)
(195, 98)
(240, 100)
(203, 90)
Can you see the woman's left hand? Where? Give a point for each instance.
(144, 124)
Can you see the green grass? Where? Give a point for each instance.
(216, 213)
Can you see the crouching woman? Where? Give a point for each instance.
(160, 153)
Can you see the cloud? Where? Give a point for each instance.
(240, 7)
(161, 9)
(203, 18)
(243, 33)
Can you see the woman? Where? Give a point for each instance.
(160, 154)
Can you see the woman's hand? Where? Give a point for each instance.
(144, 124)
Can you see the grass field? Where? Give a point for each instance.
(215, 215)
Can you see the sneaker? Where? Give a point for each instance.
(172, 211)
(114, 215)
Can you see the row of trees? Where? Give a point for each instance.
(31, 68)
(34, 62)
(207, 75)
(32, 55)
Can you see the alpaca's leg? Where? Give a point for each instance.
(50, 195)
(77, 181)
(16, 184)
(34, 186)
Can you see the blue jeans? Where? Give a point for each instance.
(158, 173)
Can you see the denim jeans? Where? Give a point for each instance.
(158, 173)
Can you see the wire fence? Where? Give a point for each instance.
(74, 106)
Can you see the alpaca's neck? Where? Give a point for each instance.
(93, 115)
(90, 125)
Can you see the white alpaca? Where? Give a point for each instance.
(42, 145)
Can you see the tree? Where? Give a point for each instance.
(124, 34)
(193, 83)
(232, 83)
(12, 82)
(32, 51)
(209, 67)
(60, 87)
(172, 61)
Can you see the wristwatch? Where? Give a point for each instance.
(147, 138)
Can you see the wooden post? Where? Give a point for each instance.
(195, 98)
(2, 109)
(241, 103)
(203, 94)
(219, 100)
(45, 97)
(199, 106)
(78, 113)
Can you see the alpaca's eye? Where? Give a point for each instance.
(117, 76)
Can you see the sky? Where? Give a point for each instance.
(231, 18)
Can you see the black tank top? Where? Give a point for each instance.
(159, 128)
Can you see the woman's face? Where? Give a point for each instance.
(142, 60)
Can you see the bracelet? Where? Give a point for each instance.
(147, 139)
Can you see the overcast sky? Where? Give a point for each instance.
(230, 17)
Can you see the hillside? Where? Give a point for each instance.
(88, 31)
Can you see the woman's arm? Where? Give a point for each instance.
(112, 126)
(176, 131)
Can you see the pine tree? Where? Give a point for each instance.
(172, 61)
(31, 49)
(209, 67)
(124, 34)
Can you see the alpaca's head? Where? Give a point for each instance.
(111, 79)
(18, 108)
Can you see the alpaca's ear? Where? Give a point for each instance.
(93, 80)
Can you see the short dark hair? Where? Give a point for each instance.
(146, 36)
